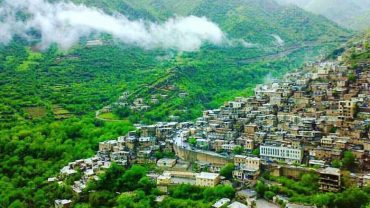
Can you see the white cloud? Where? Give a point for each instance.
(278, 40)
(65, 23)
(248, 44)
(241, 42)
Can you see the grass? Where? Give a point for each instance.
(35, 112)
(109, 116)
(60, 112)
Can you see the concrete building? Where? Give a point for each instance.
(62, 203)
(327, 141)
(246, 168)
(249, 144)
(238, 205)
(220, 203)
(292, 205)
(330, 179)
(248, 196)
(281, 153)
(176, 177)
(346, 109)
(166, 162)
(164, 179)
(366, 180)
(207, 179)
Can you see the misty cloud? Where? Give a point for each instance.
(240, 42)
(248, 44)
(65, 23)
(278, 40)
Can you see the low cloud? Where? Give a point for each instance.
(65, 23)
(278, 40)
(241, 42)
(248, 44)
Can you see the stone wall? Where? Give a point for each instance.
(286, 171)
(193, 156)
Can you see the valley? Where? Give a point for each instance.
(292, 142)
(58, 105)
(347, 13)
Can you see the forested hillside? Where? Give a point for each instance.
(354, 14)
(48, 98)
(258, 29)
(253, 20)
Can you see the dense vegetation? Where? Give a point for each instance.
(48, 98)
(306, 191)
(354, 14)
(131, 188)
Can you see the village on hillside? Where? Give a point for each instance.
(309, 120)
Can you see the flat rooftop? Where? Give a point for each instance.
(330, 171)
(208, 175)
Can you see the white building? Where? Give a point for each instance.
(221, 203)
(238, 205)
(281, 153)
(62, 203)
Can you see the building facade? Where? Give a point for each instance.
(330, 179)
(281, 153)
(207, 179)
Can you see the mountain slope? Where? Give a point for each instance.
(348, 13)
(277, 39)
(48, 99)
(258, 22)
(254, 20)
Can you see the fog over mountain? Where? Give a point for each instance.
(353, 14)
(65, 23)
(97, 95)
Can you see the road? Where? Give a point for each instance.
(179, 139)
(284, 52)
(262, 203)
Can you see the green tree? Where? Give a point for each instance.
(347, 180)
(126, 200)
(256, 152)
(351, 78)
(220, 191)
(349, 160)
(17, 204)
(122, 112)
(261, 188)
(269, 195)
(146, 184)
(83, 205)
(186, 191)
(158, 154)
(192, 141)
(238, 150)
(109, 180)
(354, 198)
(336, 163)
(129, 180)
(310, 180)
(101, 198)
(227, 171)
